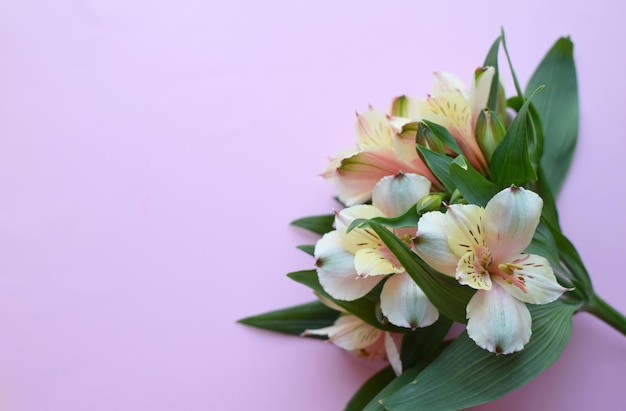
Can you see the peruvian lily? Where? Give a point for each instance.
(352, 334)
(349, 265)
(381, 151)
(483, 248)
(452, 106)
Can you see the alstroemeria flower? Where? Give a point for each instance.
(380, 152)
(352, 334)
(349, 265)
(452, 106)
(484, 249)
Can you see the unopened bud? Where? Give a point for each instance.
(489, 132)
(428, 139)
(432, 202)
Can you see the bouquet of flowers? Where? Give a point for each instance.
(448, 215)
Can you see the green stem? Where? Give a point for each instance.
(601, 309)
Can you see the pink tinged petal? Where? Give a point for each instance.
(448, 82)
(335, 161)
(431, 243)
(536, 276)
(350, 333)
(335, 270)
(359, 237)
(470, 272)
(394, 195)
(465, 229)
(357, 175)
(511, 218)
(373, 131)
(405, 304)
(371, 262)
(497, 321)
(393, 354)
(405, 150)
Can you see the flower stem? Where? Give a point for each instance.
(601, 309)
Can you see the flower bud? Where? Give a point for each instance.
(432, 202)
(426, 138)
(489, 132)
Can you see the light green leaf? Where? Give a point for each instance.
(443, 291)
(320, 224)
(294, 320)
(471, 184)
(558, 109)
(465, 375)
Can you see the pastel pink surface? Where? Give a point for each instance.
(153, 153)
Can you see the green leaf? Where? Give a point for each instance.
(492, 60)
(444, 135)
(294, 320)
(510, 162)
(307, 248)
(473, 186)
(422, 342)
(408, 219)
(369, 390)
(364, 308)
(439, 164)
(508, 59)
(443, 291)
(465, 375)
(320, 224)
(558, 109)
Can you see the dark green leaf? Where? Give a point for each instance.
(557, 106)
(444, 135)
(307, 248)
(465, 375)
(422, 342)
(294, 320)
(492, 60)
(320, 224)
(369, 390)
(408, 219)
(439, 164)
(508, 58)
(443, 291)
(473, 186)
(510, 163)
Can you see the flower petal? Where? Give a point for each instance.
(464, 226)
(371, 262)
(335, 161)
(394, 195)
(431, 243)
(448, 82)
(497, 321)
(350, 333)
(393, 354)
(405, 304)
(405, 108)
(335, 270)
(357, 175)
(537, 277)
(359, 237)
(373, 130)
(481, 87)
(470, 272)
(511, 218)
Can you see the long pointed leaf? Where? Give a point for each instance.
(558, 109)
(320, 224)
(465, 375)
(294, 320)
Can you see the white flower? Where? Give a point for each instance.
(483, 248)
(349, 265)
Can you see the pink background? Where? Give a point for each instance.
(152, 154)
